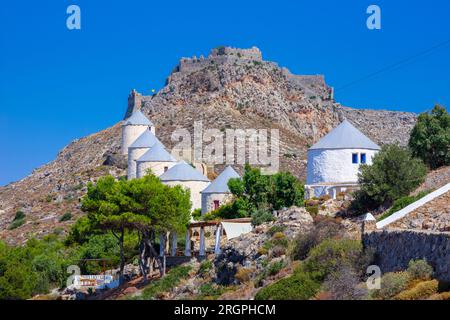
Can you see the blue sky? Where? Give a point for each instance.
(57, 85)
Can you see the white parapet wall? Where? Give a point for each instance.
(413, 206)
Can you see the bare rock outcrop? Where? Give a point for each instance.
(243, 251)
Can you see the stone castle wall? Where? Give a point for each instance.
(221, 55)
(395, 248)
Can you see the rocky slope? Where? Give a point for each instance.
(231, 88)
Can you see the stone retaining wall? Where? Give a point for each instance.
(395, 248)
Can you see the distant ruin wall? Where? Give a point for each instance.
(395, 248)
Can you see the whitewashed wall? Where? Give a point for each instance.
(129, 134)
(335, 165)
(133, 155)
(156, 167)
(208, 200)
(195, 187)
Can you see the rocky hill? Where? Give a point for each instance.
(231, 88)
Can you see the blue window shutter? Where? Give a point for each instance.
(363, 158)
(354, 158)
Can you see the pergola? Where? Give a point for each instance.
(201, 225)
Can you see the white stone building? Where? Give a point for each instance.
(333, 162)
(218, 193)
(142, 144)
(185, 175)
(157, 159)
(133, 127)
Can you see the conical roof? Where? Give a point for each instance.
(220, 184)
(183, 172)
(137, 118)
(146, 140)
(157, 153)
(345, 136)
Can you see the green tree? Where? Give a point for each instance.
(109, 208)
(166, 209)
(256, 191)
(286, 191)
(144, 205)
(430, 137)
(32, 268)
(394, 173)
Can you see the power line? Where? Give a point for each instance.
(396, 65)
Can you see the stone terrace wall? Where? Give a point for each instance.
(395, 248)
(434, 215)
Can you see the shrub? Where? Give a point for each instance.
(205, 266)
(440, 296)
(166, 283)
(325, 228)
(313, 210)
(19, 220)
(331, 255)
(420, 269)
(58, 231)
(280, 241)
(394, 173)
(16, 223)
(299, 286)
(278, 235)
(344, 284)
(261, 216)
(278, 251)
(276, 229)
(430, 137)
(105, 247)
(275, 267)
(262, 251)
(243, 274)
(402, 203)
(267, 245)
(19, 215)
(197, 214)
(392, 283)
(33, 268)
(65, 217)
(420, 291)
(311, 203)
(210, 291)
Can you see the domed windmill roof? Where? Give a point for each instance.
(220, 184)
(183, 172)
(137, 118)
(157, 153)
(146, 140)
(345, 136)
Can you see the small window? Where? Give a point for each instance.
(363, 158)
(354, 158)
(166, 168)
(216, 204)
